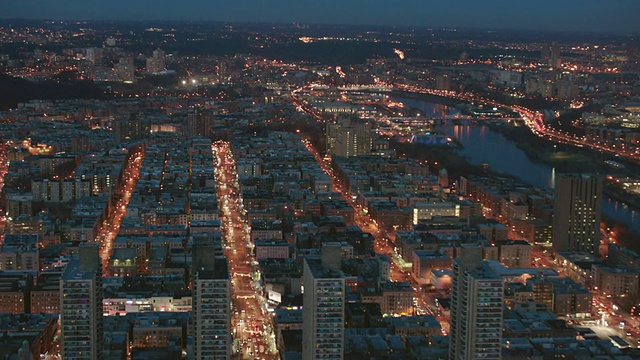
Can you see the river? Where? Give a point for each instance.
(482, 144)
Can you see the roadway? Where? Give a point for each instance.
(111, 225)
(423, 302)
(535, 121)
(253, 333)
(4, 168)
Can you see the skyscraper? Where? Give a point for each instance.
(211, 304)
(81, 306)
(577, 211)
(323, 306)
(476, 308)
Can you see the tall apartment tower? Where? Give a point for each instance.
(200, 124)
(81, 306)
(131, 128)
(323, 310)
(345, 138)
(551, 55)
(157, 62)
(211, 304)
(477, 295)
(125, 69)
(577, 212)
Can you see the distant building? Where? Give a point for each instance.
(200, 124)
(347, 138)
(550, 55)
(60, 191)
(125, 70)
(157, 62)
(577, 211)
(427, 210)
(443, 82)
(131, 128)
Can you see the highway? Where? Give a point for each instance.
(535, 121)
(253, 333)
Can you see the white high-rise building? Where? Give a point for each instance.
(211, 305)
(81, 306)
(477, 295)
(323, 307)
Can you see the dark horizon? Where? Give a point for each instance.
(589, 16)
(541, 35)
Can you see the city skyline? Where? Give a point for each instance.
(200, 190)
(545, 15)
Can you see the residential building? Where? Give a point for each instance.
(577, 210)
(323, 310)
(211, 304)
(476, 308)
(81, 306)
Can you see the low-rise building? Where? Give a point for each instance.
(425, 261)
(272, 249)
(423, 325)
(616, 281)
(515, 253)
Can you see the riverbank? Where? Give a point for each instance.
(456, 165)
(622, 196)
(569, 159)
(560, 156)
(437, 158)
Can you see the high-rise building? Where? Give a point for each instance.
(477, 295)
(443, 82)
(323, 306)
(125, 69)
(443, 178)
(550, 55)
(157, 62)
(81, 306)
(131, 128)
(577, 211)
(200, 124)
(211, 304)
(93, 54)
(345, 138)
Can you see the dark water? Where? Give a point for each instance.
(484, 145)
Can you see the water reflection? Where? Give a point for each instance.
(484, 145)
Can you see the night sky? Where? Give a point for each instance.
(578, 15)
